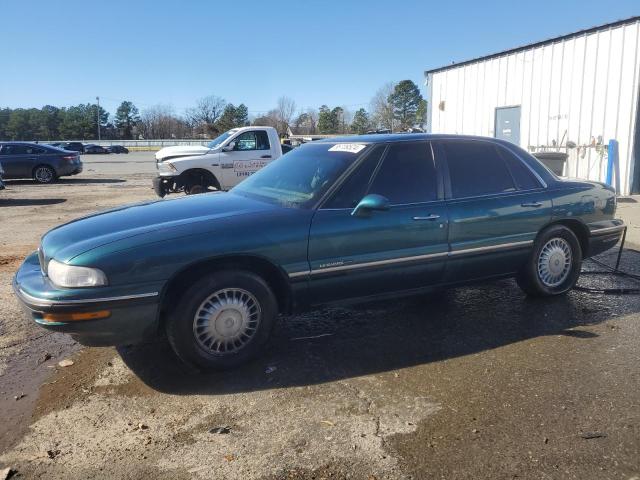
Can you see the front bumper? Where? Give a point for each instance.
(132, 317)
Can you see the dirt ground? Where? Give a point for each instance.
(477, 382)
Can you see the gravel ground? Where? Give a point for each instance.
(477, 382)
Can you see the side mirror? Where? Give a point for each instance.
(229, 147)
(370, 203)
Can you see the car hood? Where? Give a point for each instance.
(161, 219)
(181, 151)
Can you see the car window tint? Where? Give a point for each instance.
(355, 187)
(262, 140)
(525, 180)
(476, 168)
(16, 149)
(407, 174)
(254, 140)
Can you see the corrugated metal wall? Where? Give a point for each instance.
(581, 89)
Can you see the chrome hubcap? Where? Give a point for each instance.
(554, 262)
(226, 321)
(43, 174)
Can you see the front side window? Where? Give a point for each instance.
(476, 168)
(300, 177)
(255, 140)
(355, 187)
(407, 174)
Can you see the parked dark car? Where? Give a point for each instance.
(43, 163)
(117, 149)
(72, 146)
(341, 219)
(90, 148)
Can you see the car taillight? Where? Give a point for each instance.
(70, 158)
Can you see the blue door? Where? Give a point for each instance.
(402, 248)
(496, 207)
(507, 125)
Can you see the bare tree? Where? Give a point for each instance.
(160, 121)
(206, 113)
(381, 108)
(285, 110)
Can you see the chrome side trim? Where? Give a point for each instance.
(299, 274)
(378, 263)
(391, 261)
(491, 248)
(602, 231)
(45, 302)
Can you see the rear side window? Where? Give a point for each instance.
(407, 174)
(521, 174)
(476, 168)
(355, 187)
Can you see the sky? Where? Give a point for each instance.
(334, 52)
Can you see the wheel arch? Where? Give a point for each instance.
(202, 174)
(579, 229)
(273, 275)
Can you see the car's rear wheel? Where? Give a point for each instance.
(554, 265)
(44, 174)
(223, 320)
(195, 189)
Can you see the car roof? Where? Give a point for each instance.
(403, 137)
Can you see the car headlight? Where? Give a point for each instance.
(72, 276)
(166, 167)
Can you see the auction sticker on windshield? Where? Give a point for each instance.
(347, 147)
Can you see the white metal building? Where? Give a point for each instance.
(572, 93)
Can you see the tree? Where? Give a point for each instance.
(285, 109)
(381, 108)
(206, 113)
(160, 121)
(405, 101)
(361, 123)
(421, 114)
(228, 118)
(242, 116)
(327, 120)
(127, 118)
(306, 123)
(47, 121)
(19, 125)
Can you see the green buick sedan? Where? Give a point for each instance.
(344, 219)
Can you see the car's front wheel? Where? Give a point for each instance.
(223, 320)
(554, 265)
(44, 174)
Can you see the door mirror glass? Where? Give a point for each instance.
(229, 147)
(370, 203)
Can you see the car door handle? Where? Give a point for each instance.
(531, 204)
(265, 156)
(428, 217)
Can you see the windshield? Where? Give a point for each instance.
(216, 142)
(301, 176)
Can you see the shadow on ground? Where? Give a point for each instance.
(381, 337)
(68, 181)
(29, 202)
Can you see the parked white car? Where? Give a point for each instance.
(220, 165)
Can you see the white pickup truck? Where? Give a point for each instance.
(220, 165)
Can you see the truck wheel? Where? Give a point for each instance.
(223, 320)
(554, 265)
(44, 174)
(194, 189)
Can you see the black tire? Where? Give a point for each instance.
(44, 174)
(195, 189)
(182, 330)
(538, 282)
